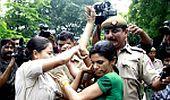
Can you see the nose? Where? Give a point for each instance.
(95, 66)
(10, 49)
(110, 33)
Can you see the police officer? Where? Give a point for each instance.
(133, 63)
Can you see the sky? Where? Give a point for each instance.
(121, 5)
(2, 8)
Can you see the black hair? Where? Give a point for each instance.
(106, 49)
(64, 35)
(5, 41)
(37, 43)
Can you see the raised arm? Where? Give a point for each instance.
(90, 13)
(4, 76)
(88, 93)
(145, 39)
(59, 59)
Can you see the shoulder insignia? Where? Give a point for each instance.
(138, 49)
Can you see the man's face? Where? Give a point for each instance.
(46, 53)
(152, 54)
(64, 45)
(7, 50)
(166, 61)
(117, 36)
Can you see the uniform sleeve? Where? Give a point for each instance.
(149, 72)
(104, 84)
(33, 69)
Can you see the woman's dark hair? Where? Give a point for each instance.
(37, 43)
(106, 49)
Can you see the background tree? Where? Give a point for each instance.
(68, 15)
(24, 16)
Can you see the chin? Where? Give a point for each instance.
(99, 74)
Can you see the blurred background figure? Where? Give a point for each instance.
(19, 52)
(164, 54)
(46, 32)
(65, 40)
(165, 44)
(156, 62)
(158, 66)
(8, 69)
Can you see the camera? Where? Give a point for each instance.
(19, 53)
(44, 30)
(166, 28)
(103, 11)
(165, 72)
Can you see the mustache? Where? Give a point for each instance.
(9, 52)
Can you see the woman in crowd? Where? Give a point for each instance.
(32, 79)
(109, 85)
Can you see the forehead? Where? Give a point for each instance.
(8, 44)
(49, 47)
(64, 41)
(96, 57)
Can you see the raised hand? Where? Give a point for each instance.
(62, 79)
(135, 29)
(90, 13)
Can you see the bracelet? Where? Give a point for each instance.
(65, 83)
(84, 56)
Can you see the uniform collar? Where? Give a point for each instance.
(126, 48)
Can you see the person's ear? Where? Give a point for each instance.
(35, 54)
(113, 62)
(126, 31)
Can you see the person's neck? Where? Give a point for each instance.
(121, 47)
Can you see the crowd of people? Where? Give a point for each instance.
(63, 68)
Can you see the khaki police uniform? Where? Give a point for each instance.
(77, 63)
(31, 83)
(134, 66)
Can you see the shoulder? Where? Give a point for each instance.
(158, 60)
(136, 49)
(113, 76)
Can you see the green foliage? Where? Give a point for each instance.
(4, 32)
(24, 17)
(149, 14)
(68, 15)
